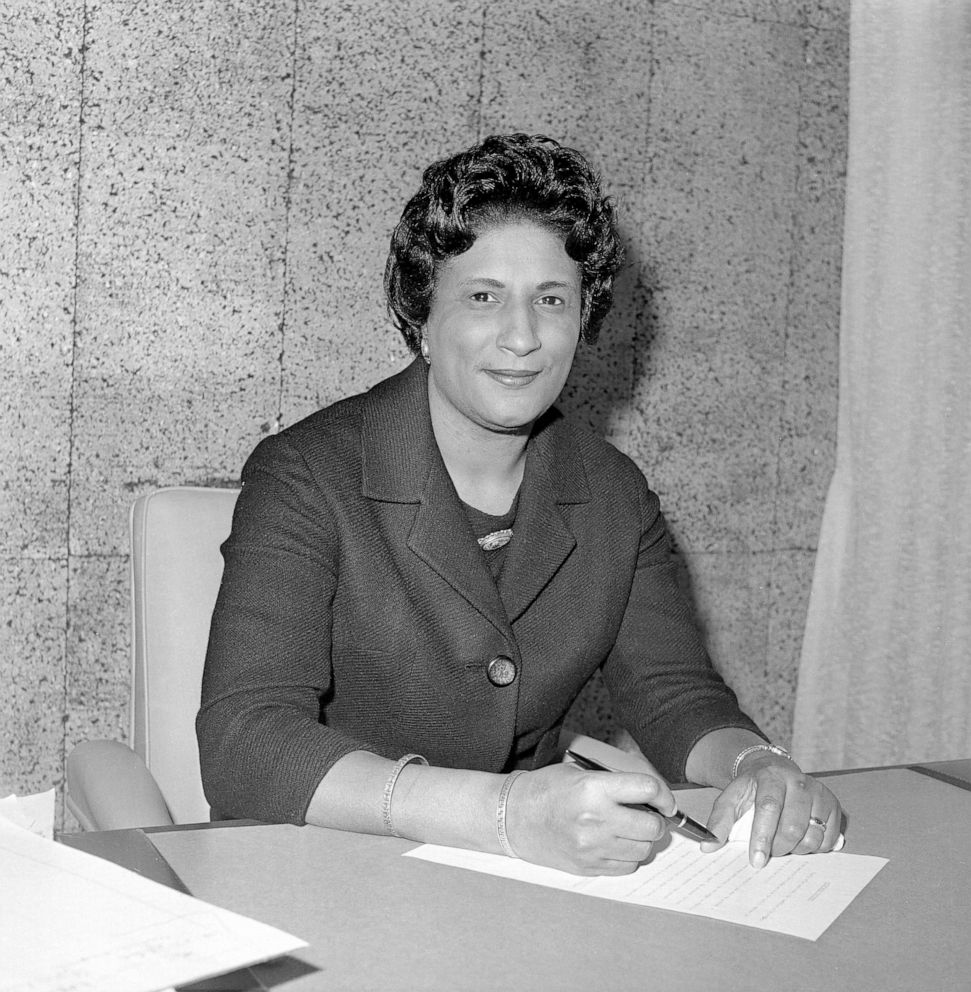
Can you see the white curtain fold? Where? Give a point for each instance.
(885, 673)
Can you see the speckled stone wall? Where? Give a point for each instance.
(195, 202)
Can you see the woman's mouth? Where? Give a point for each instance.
(512, 378)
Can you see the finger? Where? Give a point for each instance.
(794, 819)
(833, 838)
(728, 807)
(823, 828)
(823, 831)
(631, 789)
(721, 831)
(621, 849)
(720, 824)
(615, 866)
(769, 803)
(639, 825)
(814, 837)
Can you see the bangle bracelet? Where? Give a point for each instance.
(389, 789)
(501, 814)
(742, 755)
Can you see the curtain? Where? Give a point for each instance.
(885, 672)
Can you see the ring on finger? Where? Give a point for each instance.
(814, 821)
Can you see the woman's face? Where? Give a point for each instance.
(502, 330)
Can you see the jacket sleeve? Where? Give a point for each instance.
(661, 681)
(262, 748)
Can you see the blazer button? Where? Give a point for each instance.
(501, 670)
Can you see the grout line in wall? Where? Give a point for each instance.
(68, 522)
(802, 21)
(481, 82)
(63, 559)
(277, 422)
(746, 552)
(791, 283)
(642, 328)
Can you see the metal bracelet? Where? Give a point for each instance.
(501, 814)
(742, 755)
(389, 789)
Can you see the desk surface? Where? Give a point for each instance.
(376, 920)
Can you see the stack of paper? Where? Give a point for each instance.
(34, 813)
(74, 922)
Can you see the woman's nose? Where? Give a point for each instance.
(518, 333)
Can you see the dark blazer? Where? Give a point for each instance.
(357, 611)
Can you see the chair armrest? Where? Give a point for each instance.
(110, 788)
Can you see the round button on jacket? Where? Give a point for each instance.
(501, 670)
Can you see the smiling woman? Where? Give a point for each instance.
(420, 580)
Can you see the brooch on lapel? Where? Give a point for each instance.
(497, 539)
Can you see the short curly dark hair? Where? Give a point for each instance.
(504, 178)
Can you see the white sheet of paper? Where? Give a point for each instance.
(800, 896)
(34, 813)
(75, 922)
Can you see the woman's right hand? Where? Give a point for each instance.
(578, 821)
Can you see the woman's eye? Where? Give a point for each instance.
(482, 297)
(551, 301)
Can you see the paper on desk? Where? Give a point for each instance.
(800, 896)
(74, 922)
(34, 813)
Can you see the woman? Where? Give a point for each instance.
(421, 579)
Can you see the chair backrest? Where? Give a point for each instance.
(176, 569)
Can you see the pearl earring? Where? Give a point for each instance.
(424, 351)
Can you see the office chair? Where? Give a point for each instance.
(176, 567)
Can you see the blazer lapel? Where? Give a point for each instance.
(402, 464)
(542, 539)
(442, 538)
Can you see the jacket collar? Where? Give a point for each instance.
(399, 448)
(402, 464)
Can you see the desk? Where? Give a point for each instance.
(376, 920)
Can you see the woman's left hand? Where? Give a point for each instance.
(794, 813)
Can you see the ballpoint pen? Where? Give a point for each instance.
(678, 821)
